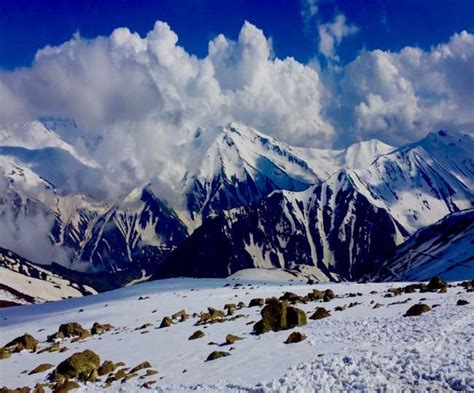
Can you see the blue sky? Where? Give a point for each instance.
(26, 26)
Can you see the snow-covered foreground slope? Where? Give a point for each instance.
(357, 349)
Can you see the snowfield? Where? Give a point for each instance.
(357, 349)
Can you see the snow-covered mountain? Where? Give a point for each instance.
(445, 248)
(23, 282)
(36, 220)
(242, 165)
(261, 203)
(137, 231)
(422, 182)
(341, 225)
(331, 226)
(39, 148)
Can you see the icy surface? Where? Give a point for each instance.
(359, 349)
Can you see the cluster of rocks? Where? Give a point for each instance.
(77, 332)
(86, 367)
(70, 330)
(436, 284)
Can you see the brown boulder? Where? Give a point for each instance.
(106, 368)
(295, 337)
(320, 313)
(79, 363)
(140, 366)
(212, 315)
(98, 328)
(71, 329)
(291, 297)
(257, 302)
(4, 353)
(417, 309)
(435, 284)
(65, 387)
(328, 295)
(216, 355)
(278, 316)
(41, 368)
(231, 339)
(166, 322)
(27, 341)
(180, 315)
(197, 334)
(315, 295)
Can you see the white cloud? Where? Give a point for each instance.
(135, 98)
(331, 35)
(400, 96)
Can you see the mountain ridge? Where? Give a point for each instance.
(253, 201)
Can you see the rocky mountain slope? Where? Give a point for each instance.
(32, 209)
(135, 233)
(241, 165)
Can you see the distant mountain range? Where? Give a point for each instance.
(251, 202)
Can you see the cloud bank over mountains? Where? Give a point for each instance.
(135, 98)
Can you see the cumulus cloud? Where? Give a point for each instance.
(400, 96)
(137, 97)
(331, 35)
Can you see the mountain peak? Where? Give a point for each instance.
(361, 154)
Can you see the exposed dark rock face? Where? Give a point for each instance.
(118, 242)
